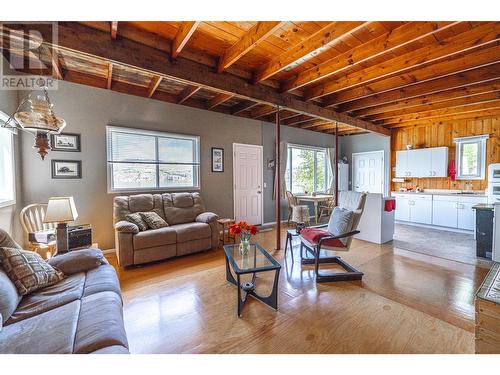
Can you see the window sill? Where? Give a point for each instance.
(4, 204)
(155, 191)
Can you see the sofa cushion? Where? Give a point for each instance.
(153, 220)
(77, 261)
(27, 270)
(9, 298)
(7, 241)
(101, 279)
(154, 237)
(124, 205)
(115, 349)
(137, 219)
(182, 207)
(191, 231)
(68, 290)
(100, 323)
(51, 332)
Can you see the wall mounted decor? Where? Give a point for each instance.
(217, 159)
(66, 169)
(65, 142)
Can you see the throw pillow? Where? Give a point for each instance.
(27, 270)
(153, 220)
(137, 219)
(9, 299)
(340, 222)
(78, 261)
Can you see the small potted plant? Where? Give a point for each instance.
(245, 231)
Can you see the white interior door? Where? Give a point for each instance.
(368, 171)
(247, 180)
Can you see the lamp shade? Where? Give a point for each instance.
(60, 209)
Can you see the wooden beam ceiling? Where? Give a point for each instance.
(252, 38)
(90, 42)
(218, 100)
(317, 42)
(242, 107)
(264, 111)
(153, 85)
(187, 93)
(388, 42)
(475, 115)
(56, 66)
(441, 51)
(185, 32)
(442, 69)
(481, 74)
(109, 80)
(114, 29)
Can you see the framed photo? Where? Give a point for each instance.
(217, 159)
(65, 142)
(64, 169)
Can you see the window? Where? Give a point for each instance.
(7, 177)
(306, 169)
(471, 157)
(141, 160)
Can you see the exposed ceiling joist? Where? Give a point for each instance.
(252, 38)
(86, 41)
(439, 97)
(264, 111)
(56, 66)
(317, 42)
(440, 120)
(114, 29)
(187, 93)
(218, 100)
(185, 32)
(442, 51)
(109, 79)
(482, 74)
(242, 107)
(388, 42)
(153, 85)
(419, 76)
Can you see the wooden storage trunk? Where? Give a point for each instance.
(488, 313)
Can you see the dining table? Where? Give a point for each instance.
(316, 200)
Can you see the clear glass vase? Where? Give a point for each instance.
(244, 244)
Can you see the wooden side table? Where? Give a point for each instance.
(225, 236)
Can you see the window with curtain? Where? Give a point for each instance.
(306, 169)
(141, 160)
(471, 157)
(7, 174)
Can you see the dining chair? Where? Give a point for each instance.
(31, 218)
(338, 235)
(296, 210)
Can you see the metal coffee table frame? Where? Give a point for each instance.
(248, 289)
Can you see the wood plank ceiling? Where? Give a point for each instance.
(363, 76)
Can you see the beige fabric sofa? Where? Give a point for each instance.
(190, 229)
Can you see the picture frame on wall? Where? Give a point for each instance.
(217, 159)
(66, 142)
(66, 169)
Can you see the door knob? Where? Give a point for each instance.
(259, 192)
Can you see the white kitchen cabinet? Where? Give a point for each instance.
(402, 207)
(421, 209)
(466, 215)
(444, 212)
(401, 163)
(422, 162)
(439, 161)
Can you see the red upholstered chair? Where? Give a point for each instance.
(317, 241)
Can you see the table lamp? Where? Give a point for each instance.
(60, 210)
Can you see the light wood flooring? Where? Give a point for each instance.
(406, 303)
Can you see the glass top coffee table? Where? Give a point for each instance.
(256, 260)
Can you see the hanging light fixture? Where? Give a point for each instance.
(35, 115)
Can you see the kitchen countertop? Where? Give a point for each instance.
(481, 195)
(483, 206)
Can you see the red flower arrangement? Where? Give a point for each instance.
(244, 229)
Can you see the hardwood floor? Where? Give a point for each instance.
(406, 303)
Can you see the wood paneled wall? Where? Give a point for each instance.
(441, 134)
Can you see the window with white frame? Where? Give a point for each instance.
(471, 157)
(142, 160)
(7, 175)
(306, 169)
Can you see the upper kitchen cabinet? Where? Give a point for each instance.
(423, 162)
